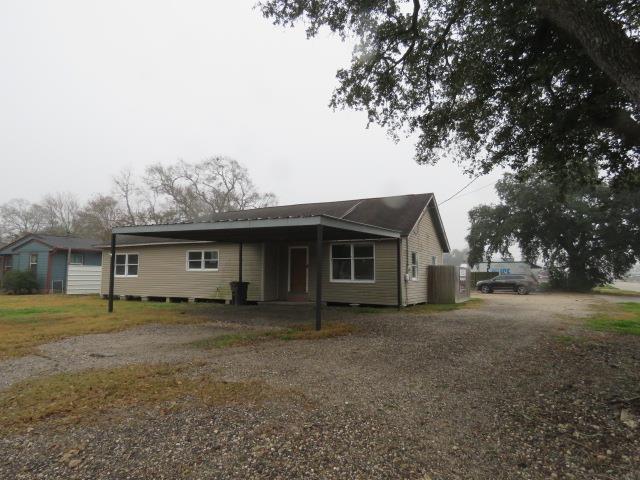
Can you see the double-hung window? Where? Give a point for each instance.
(77, 259)
(352, 262)
(33, 263)
(201, 260)
(127, 264)
(414, 266)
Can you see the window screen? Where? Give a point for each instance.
(352, 262)
(202, 260)
(414, 265)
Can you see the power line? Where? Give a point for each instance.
(460, 191)
(478, 189)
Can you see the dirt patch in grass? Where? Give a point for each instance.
(297, 332)
(71, 398)
(427, 308)
(423, 308)
(623, 318)
(27, 321)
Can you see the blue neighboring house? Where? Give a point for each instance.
(49, 257)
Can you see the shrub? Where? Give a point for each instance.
(19, 282)
(572, 281)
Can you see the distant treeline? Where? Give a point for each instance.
(180, 192)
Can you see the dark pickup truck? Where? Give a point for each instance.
(520, 284)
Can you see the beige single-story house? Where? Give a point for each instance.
(364, 251)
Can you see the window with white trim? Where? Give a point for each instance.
(434, 260)
(127, 265)
(352, 262)
(77, 259)
(414, 266)
(33, 263)
(199, 260)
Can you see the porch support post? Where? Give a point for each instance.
(239, 271)
(319, 277)
(399, 271)
(112, 270)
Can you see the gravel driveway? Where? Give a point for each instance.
(515, 388)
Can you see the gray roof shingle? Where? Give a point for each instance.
(62, 242)
(399, 213)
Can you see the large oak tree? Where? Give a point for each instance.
(587, 235)
(551, 83)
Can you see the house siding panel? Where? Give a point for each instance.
(162, 272)
(21, 260)
(83, 279)
(423, 240)
(283, 269)
(382, 292)
(271, 275)
(59, 269)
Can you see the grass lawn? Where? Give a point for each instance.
(70, 398)
(611, 290)
(624, 318)
(424, 308)
(27, 321)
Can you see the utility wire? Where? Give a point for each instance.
(460, 191)
(477, 189)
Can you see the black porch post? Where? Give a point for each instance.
(319, 278)
(239, 273)
(399, 271)
(112, 270)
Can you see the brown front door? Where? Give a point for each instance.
(298, 270)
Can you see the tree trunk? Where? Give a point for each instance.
(603, 39)
(577, 278)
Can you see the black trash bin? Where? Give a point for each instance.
(239, 292)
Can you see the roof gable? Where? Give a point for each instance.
(399, 213)
(20, 242)
(52, 242)
(28, 242)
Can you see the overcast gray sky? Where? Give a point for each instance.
(88, 87)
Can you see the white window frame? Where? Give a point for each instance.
(413, 267)
(126, 265)
(434, 260)
(202, 267)
(31, 262)
(352, 279)
(81, 255)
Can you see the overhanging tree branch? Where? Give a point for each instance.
(602, 39)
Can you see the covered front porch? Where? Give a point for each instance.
(297, 256)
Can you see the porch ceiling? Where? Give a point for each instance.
(264, 229)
